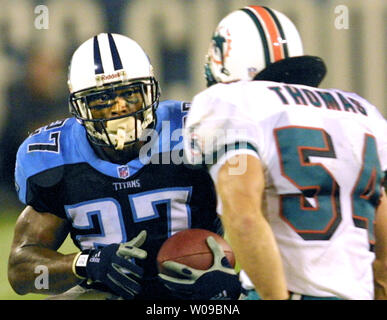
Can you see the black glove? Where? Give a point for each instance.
(114, 266)
(220, 282)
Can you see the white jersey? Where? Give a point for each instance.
(324, 153)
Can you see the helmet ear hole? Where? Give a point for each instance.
(306, 70)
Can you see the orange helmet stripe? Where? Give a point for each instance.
(275, 41)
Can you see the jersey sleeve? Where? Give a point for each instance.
(39, 169)
(40, 190)
(379, 129)
(217, 129)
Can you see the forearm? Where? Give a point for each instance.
(380, 263)
(380, 280)
(247, 229)
(30, 264)
(254, 245)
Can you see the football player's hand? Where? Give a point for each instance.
(115, 267)
(218, 282)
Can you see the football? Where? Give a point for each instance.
(189, 247)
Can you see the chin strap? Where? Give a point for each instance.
(121, 134)
(122, 130)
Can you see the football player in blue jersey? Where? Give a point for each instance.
(113, 177)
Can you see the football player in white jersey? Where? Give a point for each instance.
(298, 169)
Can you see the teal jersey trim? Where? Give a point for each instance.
(222, 151)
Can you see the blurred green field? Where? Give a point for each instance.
(7, 222)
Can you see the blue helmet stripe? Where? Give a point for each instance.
(115, 55)
(97, 57)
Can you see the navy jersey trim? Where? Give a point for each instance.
(229, 147)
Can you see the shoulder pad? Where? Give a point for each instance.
(173, 111)
(44, 149)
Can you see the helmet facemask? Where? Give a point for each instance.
(208, 73)
(116, 115)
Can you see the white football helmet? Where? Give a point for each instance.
(255, 40)
(109, 72)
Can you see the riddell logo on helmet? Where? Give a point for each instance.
(112, 76)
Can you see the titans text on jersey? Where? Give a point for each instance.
(58, 172)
